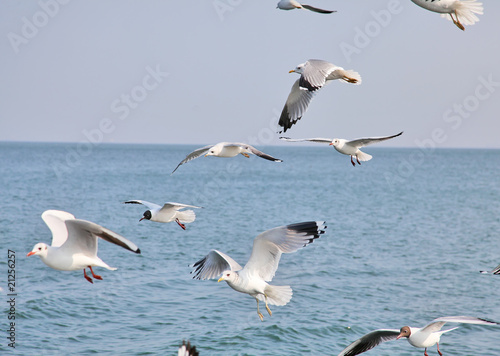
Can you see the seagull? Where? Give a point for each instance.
(495, 270)
(424, 337)
(314, 74)
(167, 213)
(263, 263)
(226, 149)
(74, 243)
(350, 148)
(187, 350)
(464, 10)
(292, 4)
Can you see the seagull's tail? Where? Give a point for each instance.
(466, 11)
(277, 295)
(363, 156)
(186, 216)
(349, 76)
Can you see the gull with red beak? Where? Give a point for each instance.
(74, 243)
(350, 148)
(167, 213)
(424, 337)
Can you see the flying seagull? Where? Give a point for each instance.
(350, 148)
(292, 4)
(424, 337)
(464, 11)
(314, 74)
(263, 263)
(167, 213)
(74, 243)
(226, 149)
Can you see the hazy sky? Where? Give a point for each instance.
(217, 70)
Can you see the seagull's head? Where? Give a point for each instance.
(40, 249)
(228, 276)
(147, 215)
(335, 142)
(299, 69)
(214, 151)
(404, 332)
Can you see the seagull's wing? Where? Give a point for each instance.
(82, 237)
(317, 140)
(143, 202)
(315, 9)
(296, 105)
(187, 350)
(213, 264)
(55, 220)
(361, 142)
(369, 341)
(261, 154)
(178, 206)
(269, 245)
(314, 75)
(195, 154)
(438, 323)
(496, 270)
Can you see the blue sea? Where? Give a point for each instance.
(407, 235)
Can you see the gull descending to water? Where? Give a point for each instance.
(292, 4)
(314, 74)
(424, 337)
(226, 149)
(350, 148)
(74, 243)
(464, 10)
(167, 213)
(187, 350)
(263, 263)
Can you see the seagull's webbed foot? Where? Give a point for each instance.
(358, 160)
(245, 154)
(180, 224)
(258, 311)
(87, 277)
(353, 164)
(457, 22)
(350, 80)
(425, 352)
(439, 352)
(94, 275)
(267, 307)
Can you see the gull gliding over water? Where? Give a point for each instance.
(314, 74)
(262, 264)
(292, 4)
(464, 10)
(167, 213)
(350, 148)
(424, 337)
(226, 149)
(74, 243)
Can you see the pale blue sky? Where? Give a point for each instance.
(208, 71)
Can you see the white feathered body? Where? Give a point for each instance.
(251, 283)
(61, 260)
(343, 146)
(465, 9)
(420, 338)
(169, 215)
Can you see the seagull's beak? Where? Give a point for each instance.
(399, 337)
(141, 219)
(331, 144)
(220, 279)
(293, 70)
(30, 254)
(206, 155)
